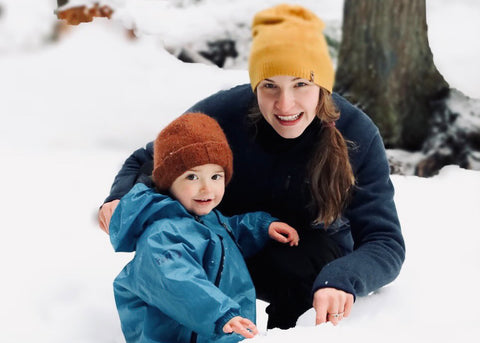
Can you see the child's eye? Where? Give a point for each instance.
(216, 177)
(191, 177)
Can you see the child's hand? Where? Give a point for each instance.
(242, 326)
(283, 233)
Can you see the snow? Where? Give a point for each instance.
(72, 111)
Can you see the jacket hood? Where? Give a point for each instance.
(136, 211)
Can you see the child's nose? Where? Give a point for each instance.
(205, 186)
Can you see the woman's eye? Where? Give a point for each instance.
(269, 85)
(216, 177)
(301, 84)
(191, 177)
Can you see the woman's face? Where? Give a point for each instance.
(288, 103)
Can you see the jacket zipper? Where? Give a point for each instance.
(222, 261)
(193, 338)
(230, 233)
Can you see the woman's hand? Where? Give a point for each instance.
(242, 326)
(331, 305)
(105, 214)
(283, 233)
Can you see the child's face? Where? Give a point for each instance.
(200, 189)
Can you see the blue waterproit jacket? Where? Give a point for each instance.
(188, 277)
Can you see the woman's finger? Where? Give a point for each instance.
(348, 305)
(335, 316)
(320, 307)
(335, 309)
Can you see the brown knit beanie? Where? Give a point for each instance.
(288, 40)
(191, 140)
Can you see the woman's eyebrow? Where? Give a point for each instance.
(293, 79)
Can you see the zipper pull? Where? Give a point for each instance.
(197, 218)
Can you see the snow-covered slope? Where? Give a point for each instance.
(71, 112)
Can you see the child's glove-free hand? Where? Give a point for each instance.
(242, 326)
(283, 233)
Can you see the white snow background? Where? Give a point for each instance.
(72, 111)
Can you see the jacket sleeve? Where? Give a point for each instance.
(251, 230)
(136, 168)
(379, 249)
(168, 274)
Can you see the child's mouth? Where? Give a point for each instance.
(203, 201)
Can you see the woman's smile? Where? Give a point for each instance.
(289, 119)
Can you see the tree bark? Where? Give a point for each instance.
(385, 66)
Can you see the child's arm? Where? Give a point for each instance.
(242, 326)
(283, 233)
(253, 229)
(250, 230)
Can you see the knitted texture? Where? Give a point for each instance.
(289, 40)
(191, 140)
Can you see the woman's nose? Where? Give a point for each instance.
(285, 101)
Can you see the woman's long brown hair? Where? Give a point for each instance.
(331, 175)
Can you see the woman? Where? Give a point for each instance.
(308, 157)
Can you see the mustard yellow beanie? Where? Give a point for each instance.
(288, 40)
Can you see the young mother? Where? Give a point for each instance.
(308, 157)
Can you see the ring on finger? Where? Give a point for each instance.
(336, 315)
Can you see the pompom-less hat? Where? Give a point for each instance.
(289, 40)
(191, 140)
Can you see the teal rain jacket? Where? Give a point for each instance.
(188, 277)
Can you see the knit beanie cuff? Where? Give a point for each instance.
(190, 156)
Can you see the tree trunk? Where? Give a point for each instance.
(385, 66)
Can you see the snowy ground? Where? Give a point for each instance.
(71, 112)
